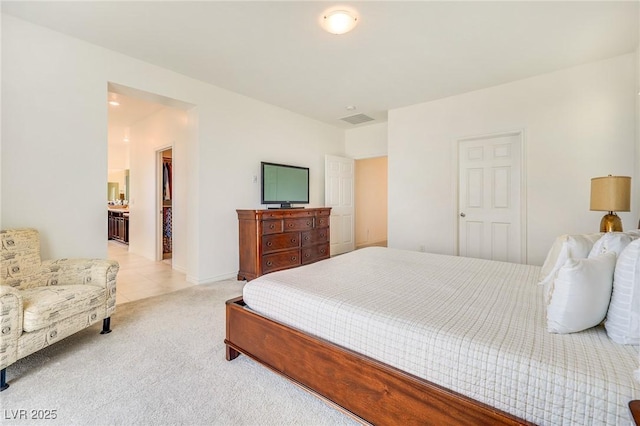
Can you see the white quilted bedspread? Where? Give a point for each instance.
(474, 326)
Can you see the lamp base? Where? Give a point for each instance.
(611, 223)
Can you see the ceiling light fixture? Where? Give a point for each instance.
(339, 21)
(114, 103)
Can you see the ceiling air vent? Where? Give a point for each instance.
(357, 119)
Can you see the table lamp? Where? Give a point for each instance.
(611, 194)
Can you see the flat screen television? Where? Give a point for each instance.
(284, 184)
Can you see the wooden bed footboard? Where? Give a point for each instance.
(368, 389)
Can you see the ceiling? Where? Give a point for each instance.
(129, 111)
(401, 53)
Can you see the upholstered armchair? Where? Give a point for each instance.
(42, 302)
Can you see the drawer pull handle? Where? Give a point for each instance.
(307, 255)
(322, 235)
(293, 240)
(306, 238)
(269, 263)
(322, 251)
(308, 223)
(272, 226)
(269, 243)
(291, 225)
(294, 258)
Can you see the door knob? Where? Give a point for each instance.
(463, 215)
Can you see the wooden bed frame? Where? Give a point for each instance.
(364, 388)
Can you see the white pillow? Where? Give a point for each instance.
(581, 294)
(566, 247)
(634, 233)
(623, 317)
(610, 241)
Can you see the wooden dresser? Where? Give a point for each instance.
(271, 240)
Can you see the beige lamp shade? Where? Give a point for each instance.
(611, 194)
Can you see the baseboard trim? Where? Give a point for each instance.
(179, 269)
(375, 244)
(209, 280)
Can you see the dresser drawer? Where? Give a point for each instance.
(271, 227)
(281, 260)
(315, 236)
(282, 241)
(301, 224)
(322, 221)
(315, 253)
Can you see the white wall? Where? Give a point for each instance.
(232, 159)
(366, 142)
(54, 158)
(578, 123)
(118, 156)
(635, 182)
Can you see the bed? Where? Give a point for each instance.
(394, 336)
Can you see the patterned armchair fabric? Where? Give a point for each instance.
(43, 302)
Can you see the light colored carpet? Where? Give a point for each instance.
(163, 364)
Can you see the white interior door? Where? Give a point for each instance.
(338, 194)
(489, 221)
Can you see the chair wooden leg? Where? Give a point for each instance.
(3, 379)
(106, 325)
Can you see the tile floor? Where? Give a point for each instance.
(140, 277)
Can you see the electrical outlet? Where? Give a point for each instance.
(255, 179)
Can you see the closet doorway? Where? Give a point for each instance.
(371, 202)
(164, 242)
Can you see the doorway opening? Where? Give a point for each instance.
(371, 202)
(141, 125)
(165, 196)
